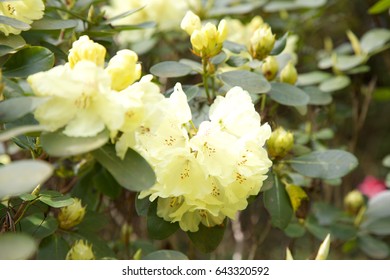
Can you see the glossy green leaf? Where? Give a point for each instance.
(195, 65)
(318, 97)
(312, 226)
(374, 39)
(15, 108)
(142, 206)
(219, 58)
(105, 183)
(10, 43)
(234, 47)
(158, 228)
(12, 184)
(380, 7)
(236, 61)
(288, 95)
(55, 199)
(165, 255)
(343, 232)
(295, 230)
(207, 239)
(17, 24)
(20, 130)
(53, 247)
(170, 69)
(39, 226)
(378, 207)
(373, 247)
(278, 204)
(249, 81)
(280, 45)
(379, 226)
(335, 83)
(312, 78)
(28, 61)
(16, 246)
(328, 164)
(53, 24)
(132, 173)
(59, 145)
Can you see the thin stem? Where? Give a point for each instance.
(205, 76)
(263, 102)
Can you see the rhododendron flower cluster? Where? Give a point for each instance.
(207, 174)
(204, 174)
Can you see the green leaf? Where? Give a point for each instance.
(34, 172)
(219, 58)
(122, 15)
(378, 207)
(379, 7)
(280, 44)
(38, 226)
(53, 24)
(55, 199)
(59, 145)
(28, 61)
(15, 108)
(158, 228)
(318, 97)
(142, 206)
(335, 83)
(207, 239)
(105, 183)
(374, 39)
(329, 164)
(234, 47)
(379, 226)
(343, 232)
(196, 66)
(170, 69)
(19, 130)
(53, 247)
(236, 61)
(373, 247)
(312, 78)
(382, 94)
(16, 246)
(342, 62)
(249, 81)
(132, 173)
(278, 204)
(295, 230)
(10, 43)
(288, 95)
(17, 24)
(320, 232)
(165, 255)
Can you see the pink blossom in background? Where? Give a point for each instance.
(371, 186)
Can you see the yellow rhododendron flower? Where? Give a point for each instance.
(22, 10)
(262, 42)
(289, 74)
(206, 40)
(124, 69)
(80, 251)
(79, 99)
(86, 49)
(204, 176)
(71, 215)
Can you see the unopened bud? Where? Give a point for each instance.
(190, 23)
(353, 201)
(280, 143)
(71, 215)
(289, 74)
(80, 251)
(123, 69)
(289, 256)
(86, 49)
(138, 255)
(126, 232)
(262, 42)
(270, 68)
(323, 251)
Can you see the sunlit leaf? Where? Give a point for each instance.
(16, 246)
(60, 145)
(335, 83)
(328, 164)
(170, 69)
(15, 108)
(288, 95)
(34, 172)
(249, 81)
(374, 39)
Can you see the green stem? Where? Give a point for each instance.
(263, 102)
(205, 76)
